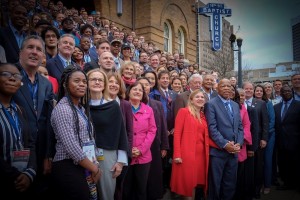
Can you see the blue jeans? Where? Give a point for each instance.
(268, 160)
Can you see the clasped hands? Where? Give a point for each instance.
(230, 147)
(135, 152)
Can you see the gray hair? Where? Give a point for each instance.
(33, 37)
(195, 76)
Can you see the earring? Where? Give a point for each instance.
(22, 84)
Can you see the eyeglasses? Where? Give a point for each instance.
(100, 80)
(9, 75)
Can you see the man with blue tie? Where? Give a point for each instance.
(56, 65)
(287, 128)
(226, 130)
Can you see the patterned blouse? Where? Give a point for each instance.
(69, 143)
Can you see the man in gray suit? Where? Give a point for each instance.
(226, 130)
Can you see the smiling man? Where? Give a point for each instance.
(56, 65)
(226, 130)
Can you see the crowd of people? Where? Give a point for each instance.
(90, 111)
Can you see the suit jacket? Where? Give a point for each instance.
(161, 124)
(181, 101)
(93, 53)
(55, 67)
(128, 120)
(263, 119)
(39, 120)
(10, 45)
(288, 129)
(166, 103)
(254, 128)
(221, 129)
(212, 95)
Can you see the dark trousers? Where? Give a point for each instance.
(69, 181)
(222, 177)
(249, 178)
(135, 184)
(258, 170)
(289, 164)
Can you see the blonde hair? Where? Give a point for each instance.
(125, 65)
(192, 107)
(105, 90)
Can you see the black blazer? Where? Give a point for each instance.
(254, 128)
(55, 67)
(161, 124)
(39, 121)
(10, 45)
(263, 119)
(288, 129)
(128, 120)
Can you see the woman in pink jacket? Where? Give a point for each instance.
(144, 130)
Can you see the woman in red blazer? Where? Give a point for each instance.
(191, 148)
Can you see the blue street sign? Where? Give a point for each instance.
(216, 12)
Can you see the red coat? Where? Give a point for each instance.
(195, 156)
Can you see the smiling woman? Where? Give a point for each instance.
(14, 138)
(73, 130)
(127, 72)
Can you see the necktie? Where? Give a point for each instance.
(248, 102)
(68, 62)
(229, 111)
(285, 108)
(167, 95)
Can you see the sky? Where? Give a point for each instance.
(265, 27)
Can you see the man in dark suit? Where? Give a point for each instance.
(287, 127)
(56, 65)
(12, 36)
(195, 83)
(226, 130)
(263, 121)
(207, 87)
(36, 97)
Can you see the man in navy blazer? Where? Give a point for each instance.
(56, 65)
(226, 130)
(36, 97)
(287, 128)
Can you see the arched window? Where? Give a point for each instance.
(180, 41)
(167, 37)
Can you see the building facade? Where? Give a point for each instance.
(281, 71)
(171, 25)
(295, 23)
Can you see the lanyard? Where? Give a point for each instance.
(86, 121)
(14, 121)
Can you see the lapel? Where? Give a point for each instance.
(254, 102)
(223, 109)
(41, 95)
(59, 64)
(291, 107)
(27, 96)
(12, 39)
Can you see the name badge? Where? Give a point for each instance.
(20, 159)
(99, 154)
(89, 150)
